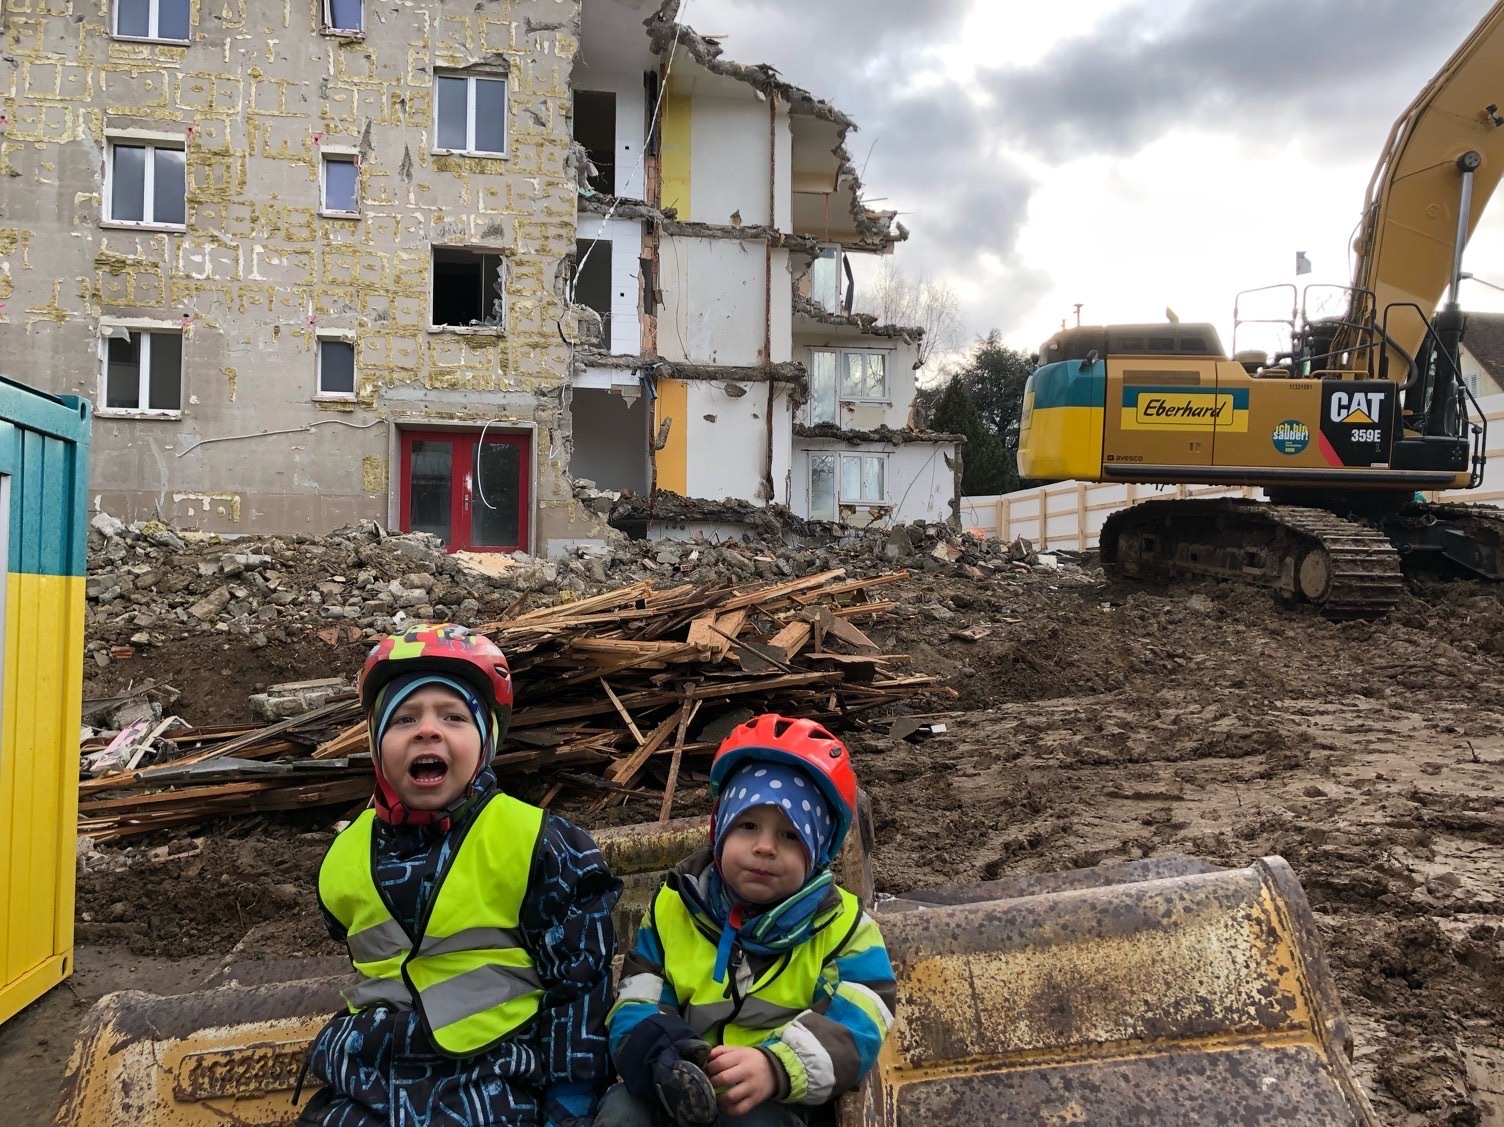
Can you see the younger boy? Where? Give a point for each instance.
(757, 987)
(480, 926)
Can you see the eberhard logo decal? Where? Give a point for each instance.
(1178, 408)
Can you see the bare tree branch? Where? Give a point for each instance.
(919, 302)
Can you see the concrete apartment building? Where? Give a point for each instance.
(313, 262)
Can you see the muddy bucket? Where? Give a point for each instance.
(1158, 992)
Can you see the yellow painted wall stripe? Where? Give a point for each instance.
(43, 686)
(674, 159)
(672, 462)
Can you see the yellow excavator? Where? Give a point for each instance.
(1361, 410)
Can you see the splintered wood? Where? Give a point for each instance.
(622, 696)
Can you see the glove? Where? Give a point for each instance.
(663, 1059)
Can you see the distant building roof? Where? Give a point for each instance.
(1485, 340)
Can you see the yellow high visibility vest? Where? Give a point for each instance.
(467, 972)
(783, 991)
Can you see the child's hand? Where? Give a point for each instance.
(743, 1078)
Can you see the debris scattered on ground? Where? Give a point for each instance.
(608, 688)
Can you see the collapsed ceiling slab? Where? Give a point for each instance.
(827, 190)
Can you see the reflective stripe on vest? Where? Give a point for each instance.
(785, 990)
(471, 978)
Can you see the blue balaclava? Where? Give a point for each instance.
(770, 783)
(388, 807)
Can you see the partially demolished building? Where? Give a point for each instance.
(434, 262)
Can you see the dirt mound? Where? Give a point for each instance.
(1087, 721)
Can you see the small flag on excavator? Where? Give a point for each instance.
(1302, 263)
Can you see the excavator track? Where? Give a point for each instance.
(1469, 537)
(1345, 568)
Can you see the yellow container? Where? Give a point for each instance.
(44, 458)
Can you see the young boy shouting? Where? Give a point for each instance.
(757, 987)
(479, 925)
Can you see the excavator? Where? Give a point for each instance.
(1358, 413)
(1165, 991)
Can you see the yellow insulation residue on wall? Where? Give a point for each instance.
(672, 462)
(675, 155)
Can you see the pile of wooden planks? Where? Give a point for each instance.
(614, 694)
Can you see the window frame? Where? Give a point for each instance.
(506, 112)
(146, 331)
(330, 27)
(484, 327)
(840, 458)
(840, 354)
(319, 392)
(338, 156)
(153, 20)
(151, 145)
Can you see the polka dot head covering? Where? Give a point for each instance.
(792, 790)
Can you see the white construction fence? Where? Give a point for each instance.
(1070, 514)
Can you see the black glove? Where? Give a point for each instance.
(663, 1059)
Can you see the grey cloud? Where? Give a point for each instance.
(1324, 69)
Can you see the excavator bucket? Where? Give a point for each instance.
(1159, 992)
(232, 1052)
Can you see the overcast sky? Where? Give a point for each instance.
(1125, 154)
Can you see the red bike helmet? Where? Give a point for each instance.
(801, 743)
(455, 651)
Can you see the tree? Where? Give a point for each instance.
(985, 464)
(920, 302)
(986, 393)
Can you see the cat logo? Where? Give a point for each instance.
(1356, 408)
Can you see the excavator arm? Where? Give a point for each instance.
(1441, 163)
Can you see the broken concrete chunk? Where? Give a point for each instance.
(210, 606)
(107, 526)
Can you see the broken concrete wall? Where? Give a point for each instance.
(729, 145)
(715, 302)
(255, 276)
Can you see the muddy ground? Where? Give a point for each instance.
(1094, 722)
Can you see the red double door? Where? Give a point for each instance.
(472, 495)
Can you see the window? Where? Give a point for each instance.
(469, 288)
(147, 184)
(336, 369)
(845, 479)
(838, 377)
(863, 479)
(825, 279)
(152, 19)
(144, 372)
(592, 280)
(338, 179)
(595, 128)
(343, 15)
(471, 115)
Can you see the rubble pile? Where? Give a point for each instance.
(150, 584)
(613, 693)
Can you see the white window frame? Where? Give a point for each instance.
(318, 363)
(841, 498)
(506, 111)
(840, 354)
(146, 329)
(153, 22)
(333, 29)
(148, 190)
(833, 252)
(339, 156)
